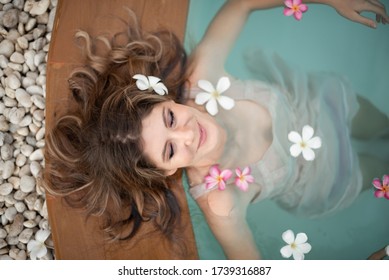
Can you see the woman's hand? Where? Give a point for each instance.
(351, 10)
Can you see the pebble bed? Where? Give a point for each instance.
(25, 32)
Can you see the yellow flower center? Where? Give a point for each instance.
(303, 145)
(293, 245)
(385, 188)
(241, 177)
(215, 94)
(295, 8)
(219, 179)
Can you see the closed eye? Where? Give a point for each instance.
(172, 118)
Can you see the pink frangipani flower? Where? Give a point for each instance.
(295, 8)
(382, 189)
(243, 178)
(217, 177)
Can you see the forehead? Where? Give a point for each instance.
(153, 128)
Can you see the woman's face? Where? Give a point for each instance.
(177, 136)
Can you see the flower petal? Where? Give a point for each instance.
(226, 174)
(288, 3)
(294, 137)
(386, 195)
(303, 8)
(385, 180)
(379, 194)
(305, 248)
(296, 2)
(211, 107)
(153, 80)
(295, 150)
(288, 12)
(32, 244)
(314, 143)
(41, 235)
(33, 254)
(288, 236)
(214, 171)
(308, 154)
(223, 84)
(298, 15)
(286, 251)
(301, 238)
(160, 88)
(205, 85)
(238, 172)
(249, 178)
(226, 102)
(42, 251)
(202, 97)
(243, 185)
(246, 170)
(307, 133)
(142, 82)
(297, 255)
(222, 185)
(377, 183)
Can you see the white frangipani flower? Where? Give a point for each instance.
(37, 247)
(212, 96)
(150, 83)
(296, 247)
(304, 143)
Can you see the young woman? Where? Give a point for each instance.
(145, 113)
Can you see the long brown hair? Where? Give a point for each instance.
(94, 153)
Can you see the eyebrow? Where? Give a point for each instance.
(165, 122)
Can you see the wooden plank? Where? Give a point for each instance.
(73, 236)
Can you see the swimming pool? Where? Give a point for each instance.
(322, 41)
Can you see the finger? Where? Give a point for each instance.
(378, 8)
(365, 21)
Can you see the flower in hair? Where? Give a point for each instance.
(37, 247)
(150, 83)
(382, 189)
(243, 178)
(295, 8)
(213, 96)
(304, 143)
(217, 177)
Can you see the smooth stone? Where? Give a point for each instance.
(16, 115)
(6, 188)
(6, 152)
(39, 8)
(20, 195)
(23, 98)
(23, 44)
(35, 168)
(17, 225)
(10, 213)
(26, 150)
(38, 101)
(8, 169)
(26, 235)
(10, 18)
(27, 183)
(35, 89)
(17, 57)
(6, 48)
(20, 206)
(12, 82)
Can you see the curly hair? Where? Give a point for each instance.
(94, 153)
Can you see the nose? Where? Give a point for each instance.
(184, 134)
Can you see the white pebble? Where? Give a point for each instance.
(22, 131)
(17, 57)
(34, 89)
(39, 101)
(20, 206)
(29, 56)
(35, 168)
(3, 61)
(39, 115)
(30, 24)
(23, 43)
(23, 98)
(16, 115)
(10, 18)
(37, 155)
(25, 235)
(27, 184)
(12, 81)
(20, 160)
(10, 213)
(6, 188)
(39, 58)
(39, 8)
(25, 121)
(8, 169)
(40, 134)
(19, 195)
(6, 48)
(6, 152)
(3, 234)
(28, 81)
(26, 150)
(29, 214)
(30, 224)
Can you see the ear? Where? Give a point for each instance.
(170, 172)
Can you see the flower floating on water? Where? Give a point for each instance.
(296, 246)
(37, 247)
(212, 96)
(150, 83)
(295, 8)
(217, 177)
(243, 178)
(305, 143)
(382, 188)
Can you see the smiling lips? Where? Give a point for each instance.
(203, 136)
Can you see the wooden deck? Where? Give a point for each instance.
(74, 237)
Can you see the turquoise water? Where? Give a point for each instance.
(323, 40)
